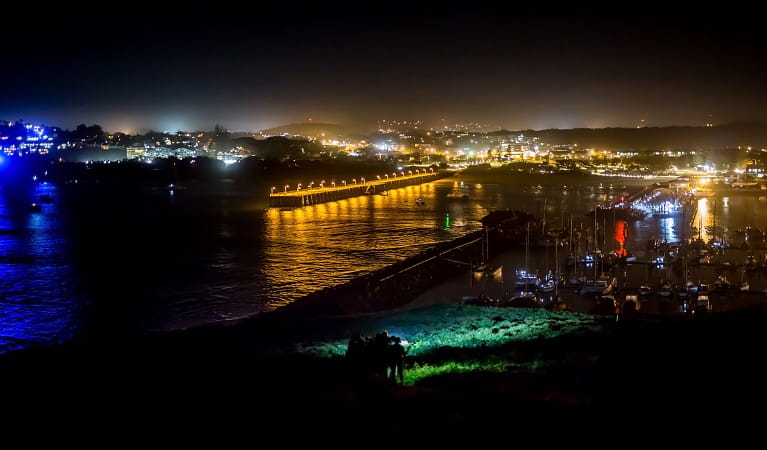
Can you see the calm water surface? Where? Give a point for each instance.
(124, 259)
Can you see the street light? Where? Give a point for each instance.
(410, 172)
(311, 183)
(431, 169)
(273, 188)
(354, 180)
(387, 176)
(395, 174)
(403, 173)
(344, 182)
(286, 187)
(333, 183)
(363, 180)
(417, 172)
(322, 183)
(378, 176)
(299, 187)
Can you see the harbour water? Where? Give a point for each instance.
(126, 258)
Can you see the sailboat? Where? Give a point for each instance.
(603, 284)
(485, 269)
(457, 194)
(525, 280)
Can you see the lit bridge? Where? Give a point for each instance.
(312, 196)
(654, 199)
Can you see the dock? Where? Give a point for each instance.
(311, 196)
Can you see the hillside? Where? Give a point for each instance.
(650, 138)
(315, 130)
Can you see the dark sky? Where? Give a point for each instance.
(251, 69)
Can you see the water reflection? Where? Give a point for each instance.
(320, 245)
(209, 253)
(39, 302)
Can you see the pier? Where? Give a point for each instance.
(312, 196)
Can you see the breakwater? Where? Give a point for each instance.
(394, 285)
(397, 284)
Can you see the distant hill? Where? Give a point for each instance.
(651, 138)
(331, 130)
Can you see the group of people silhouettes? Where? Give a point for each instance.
(381, 354)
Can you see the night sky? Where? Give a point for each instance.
(517, 68)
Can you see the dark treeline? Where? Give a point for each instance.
(173, 170)
(655, 138)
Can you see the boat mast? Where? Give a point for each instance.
(594, 261)
(527, 255)
(556, 267)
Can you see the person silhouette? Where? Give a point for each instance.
(396, 357)
(355, 351)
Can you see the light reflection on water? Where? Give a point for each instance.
(38, 299)
(316, 246)
(209, 254)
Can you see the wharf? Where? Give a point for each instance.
(305, 197)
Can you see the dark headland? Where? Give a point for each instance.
(279, 378)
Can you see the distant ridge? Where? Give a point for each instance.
(650, 138)
(313, 129)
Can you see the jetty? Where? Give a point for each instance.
(311, 196)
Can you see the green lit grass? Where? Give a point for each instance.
(449, 339)
(418, 372)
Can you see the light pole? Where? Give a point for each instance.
(333, 183)
(378, 176)
(354, 180)
(344, 182)
(272, 191)
(387, 176)
(410, 172)
(299, 187)
(322, 183)
(363, 180)
(395, 174)
(286, 187)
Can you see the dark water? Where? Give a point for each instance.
(124, 259)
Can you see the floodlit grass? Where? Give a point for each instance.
(437, 329)
(418, 372)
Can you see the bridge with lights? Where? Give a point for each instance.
(324, 192)
(655, 199)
